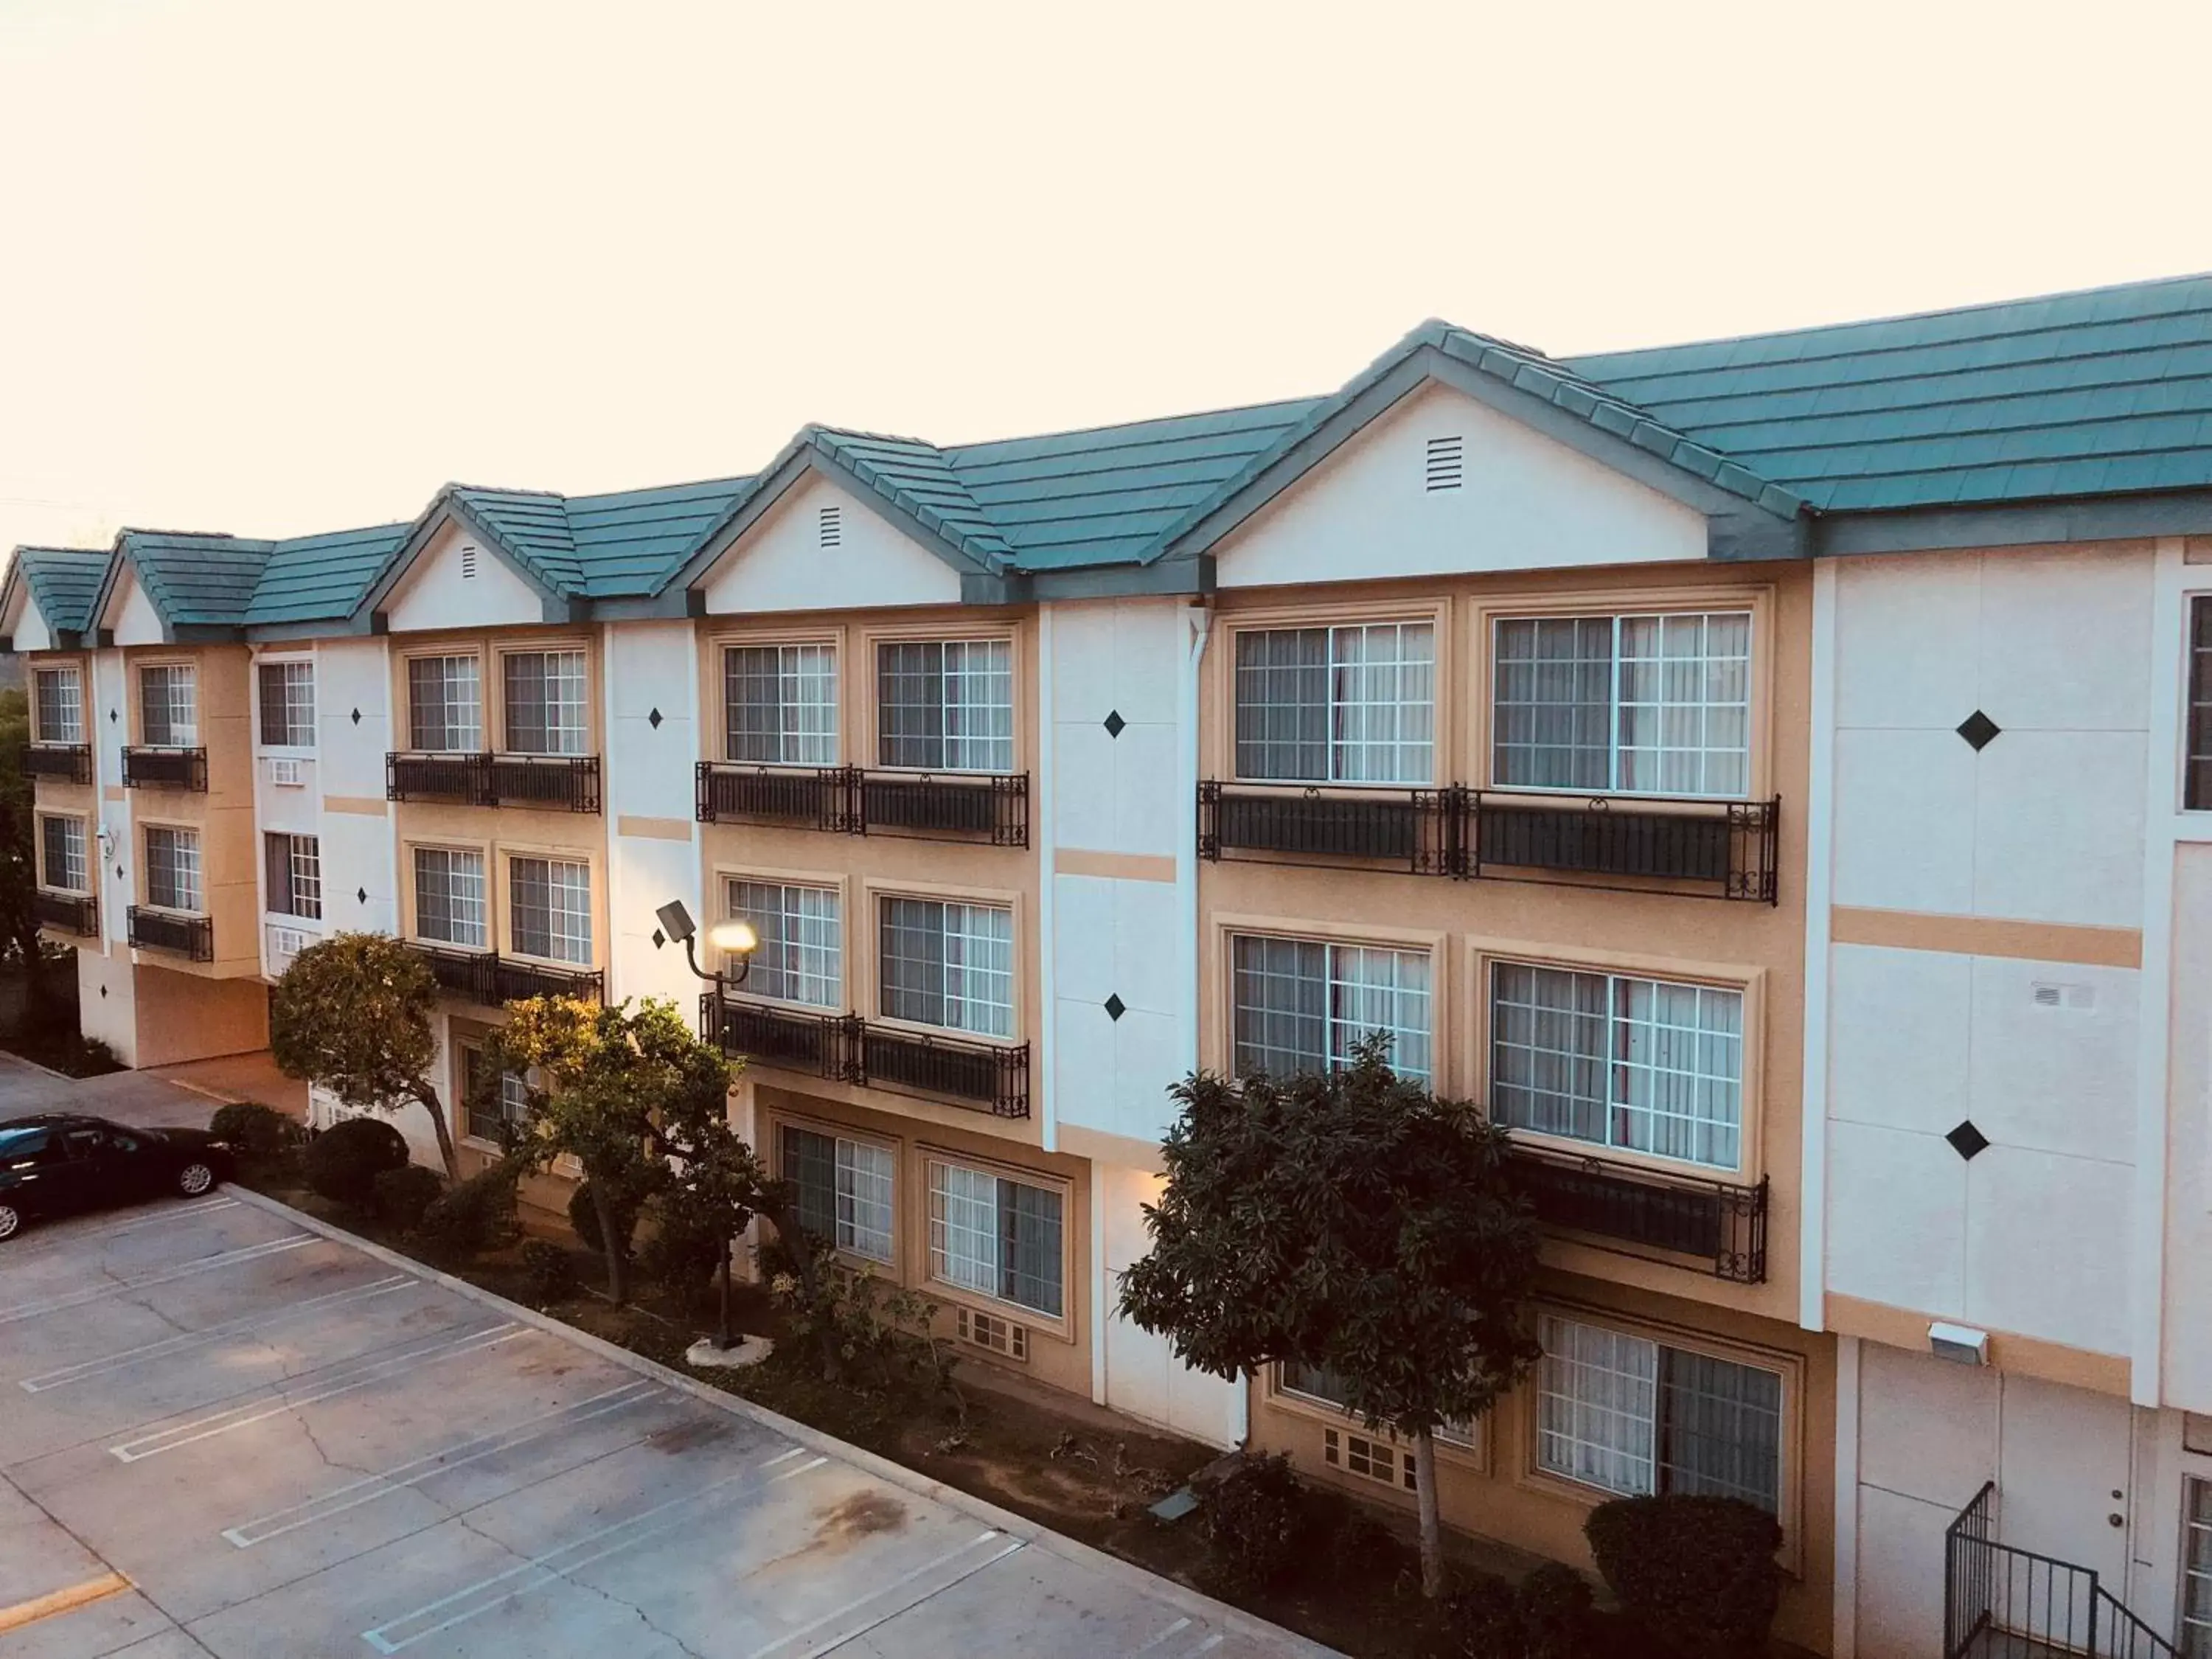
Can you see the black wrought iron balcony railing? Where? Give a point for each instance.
(1657, 1215)
(67, 913)
(1728, 848)
(491, 981)
(164, 769)
(558, 783)
(166, 930)
(64, 762)
(1414, 830)
(994, 1077)
(854, 800)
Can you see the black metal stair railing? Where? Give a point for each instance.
(64, 762)
(1655, 1215)
(2003, 1603)
(991, 806)
(991, 1076)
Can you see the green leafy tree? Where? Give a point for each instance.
(352, 1014)
(1350, 1221)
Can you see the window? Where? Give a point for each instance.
(1324, 1387)
(2197, 787)
(1632, 705)
(62, 861)
(1633, 1416)
(168, 706)
(946, 706)
(845, 1189)
(60, 704)
(295, 865)
(449, 896)
(1337, 705)
(801, 956)
(948, 964)
(172, 868)
(552, 908)
(780, 703)
(489, 1121)
(1645, 1064)
(445, 705)
(287, 705)
(544, 702)
(997, 1236)
(2197, 1565)
(1299, 1004)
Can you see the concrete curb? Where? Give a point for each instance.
(1180, 1596)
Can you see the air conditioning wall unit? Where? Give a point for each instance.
(285, 772)
(1000, 1336)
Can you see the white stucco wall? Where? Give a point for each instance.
(650, 667)
(130, 613)
(435, 593)
(780, 563)
(29, 630)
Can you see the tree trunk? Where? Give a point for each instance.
(810, 1280)
(429, 1098)
(617, 1269)
(1432, 1539)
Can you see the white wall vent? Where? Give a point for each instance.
(1446, 462)
(468, 562)
(1371, 1460)
(2044, 994)
(832, 526)
(284, 772)
(984, 1330)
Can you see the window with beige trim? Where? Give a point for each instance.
(1323, 1386)
(1303, 1004)
(64, 862)
(449, 896)
(948, 964)
(801, 929)
(847, 1190)
(172, 868)
(445, 704)
(1656, 704)
(58, 704)
(1354, 704)
(945, 705)
(550, 909)
(1644, 1065)
(168, 706)
(545, 702)
(997, 1236)
(1628, 1414)
(779, 704)
(2197, 784)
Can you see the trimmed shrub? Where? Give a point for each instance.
(1555, 1603)
(1254, 1518)
(402, 1195)
(583, 1221)
(1484, 1614)
(551, 1269)
(343, 1161)
(684, 1249)
(261, 1134)
(475, 1216)
(1695, 1576)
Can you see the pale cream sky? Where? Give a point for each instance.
(289, 266)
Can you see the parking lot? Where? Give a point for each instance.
(223, 1433)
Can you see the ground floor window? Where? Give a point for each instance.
(2196, 1570)
(995, 1236)
(488, 1119)
(845, 1189)
(1631, 1415)
(1324, 1387)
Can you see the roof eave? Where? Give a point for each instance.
(445, 506)
(2014, 524)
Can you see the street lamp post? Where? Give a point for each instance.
(731, 939)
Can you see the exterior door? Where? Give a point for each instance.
(2066, 1463)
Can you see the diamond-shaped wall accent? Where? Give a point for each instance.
(654, 719)
(660, 938)
(361, 895)
(1114, 724)
(1115, 1007)
(1978, 729)
(111, 717)
(1966, 1140)
(356, 717)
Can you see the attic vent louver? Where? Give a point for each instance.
(833, 526)
(468, 562)
(1444, 463)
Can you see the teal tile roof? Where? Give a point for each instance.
(321, 578)
(63, 581)
(630, 542)
(2102, 393)
(194, 580)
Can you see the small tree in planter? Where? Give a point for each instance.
(1350, 1221)
(352, 1014)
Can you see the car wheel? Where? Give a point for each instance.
(11, 1221)
(194, 1179)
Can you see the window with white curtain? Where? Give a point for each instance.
(1645, 1064)
(546, 712)
(57, 697)
(801, 930)
(1324, 1387)
(996, 1236)
(1302, 1004)
(449, 896)
(168, 706)
(1337, 705)
(172, 868)
(845, 1189)
(779, 704)
(550, 911)
(948, 964)
(287, 704)
(445, 705)
(1656, 704)
(1630, 1415)
(945, 705)
(63, 864)
(294, 869)
(2196, 1568)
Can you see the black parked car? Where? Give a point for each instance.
(59, 1162)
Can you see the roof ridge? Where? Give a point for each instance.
(1145, 420)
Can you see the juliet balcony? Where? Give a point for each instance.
(552, 783)
(991, 808)
(990, 1077)
(67, 913)
(164, 769)
(491, 981)
(64, 762)
(191, 936)
(1716, 1225)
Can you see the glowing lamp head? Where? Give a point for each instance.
(735, 939)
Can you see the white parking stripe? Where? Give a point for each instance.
(540, 1570)
(144, 1281)
(1177, 1628)
(239, 1417)
(890, 1613)
(1207, 1646)
(370, 1487)
(176, 1344)
(46, 1243)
